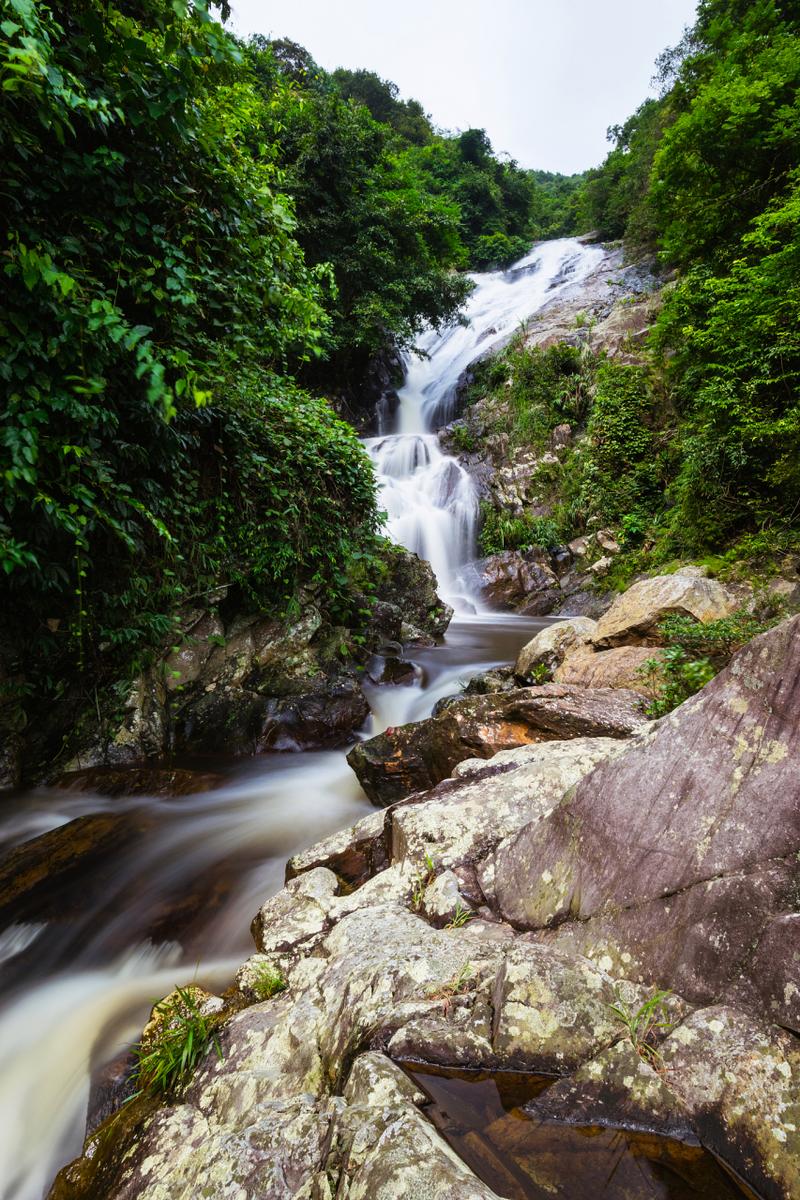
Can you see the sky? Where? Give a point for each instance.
(545, 78)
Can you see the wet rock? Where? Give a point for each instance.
(697, 814)
(498, 679)
(411, 758)
(35, 876)
(391, 670)
(552, 645)
(522, 581)
(635, 615)
(409, 585)
(619, 1089)
(353, 854)
(739, 1080)
(622, 667)
(139, 781)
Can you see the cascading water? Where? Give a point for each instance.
(77, 979)
(429, 498)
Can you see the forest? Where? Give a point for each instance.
(212, 243)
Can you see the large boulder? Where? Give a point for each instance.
(408, 585)
(622, 667)
(635, 615)
(678, 859)
(410, 758)
(519, 580)
(552, 645)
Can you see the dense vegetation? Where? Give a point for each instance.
(697, 451)
(201, 237)
(709, 175)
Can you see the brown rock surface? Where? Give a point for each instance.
(618, 668)
(552, 645)
(682, 852)
(520, 580)
(635, 615)
(410, 758)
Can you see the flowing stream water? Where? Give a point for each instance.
(172, 900)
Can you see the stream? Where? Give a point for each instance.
(171, 901)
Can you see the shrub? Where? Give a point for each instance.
(501, 531)
(694, 653)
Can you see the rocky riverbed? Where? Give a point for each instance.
(507, 914)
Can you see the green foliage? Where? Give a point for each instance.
(154, 296)
(167, 1061)
(502, 531)
(267, 981)
(461, 917)
(731, 344)
(709, 175)
(621, 473)
(673, 677)
(463, 439)
(694, 653)
(644, 1024)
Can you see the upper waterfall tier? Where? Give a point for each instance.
(430, 500)
(499, 303)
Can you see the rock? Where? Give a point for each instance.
(409, 584)
(391, 670)
(618, 668)
(519, 580)
(617, 1089)
(411, 758)
(442, 898)
(691, 571)
(461, 820)
(602, 566)
(560, 438)
(635, 615)
(498, 679)
(786, 591)
(138, 781)
(35, 876)
(552, 1011)
(580, 547)
(606, 541)
(297, 914)
(166, 1014)
(582, 600)
(739, 1080)
(551, 646)
(389, 1150)
(354, 854)
(679, 855)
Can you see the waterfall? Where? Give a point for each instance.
(430, 500)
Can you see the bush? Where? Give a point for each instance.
(694, 653)
(500, 531)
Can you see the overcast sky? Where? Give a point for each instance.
(545, 78)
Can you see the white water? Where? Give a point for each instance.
(78, 979)
(429, 498)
